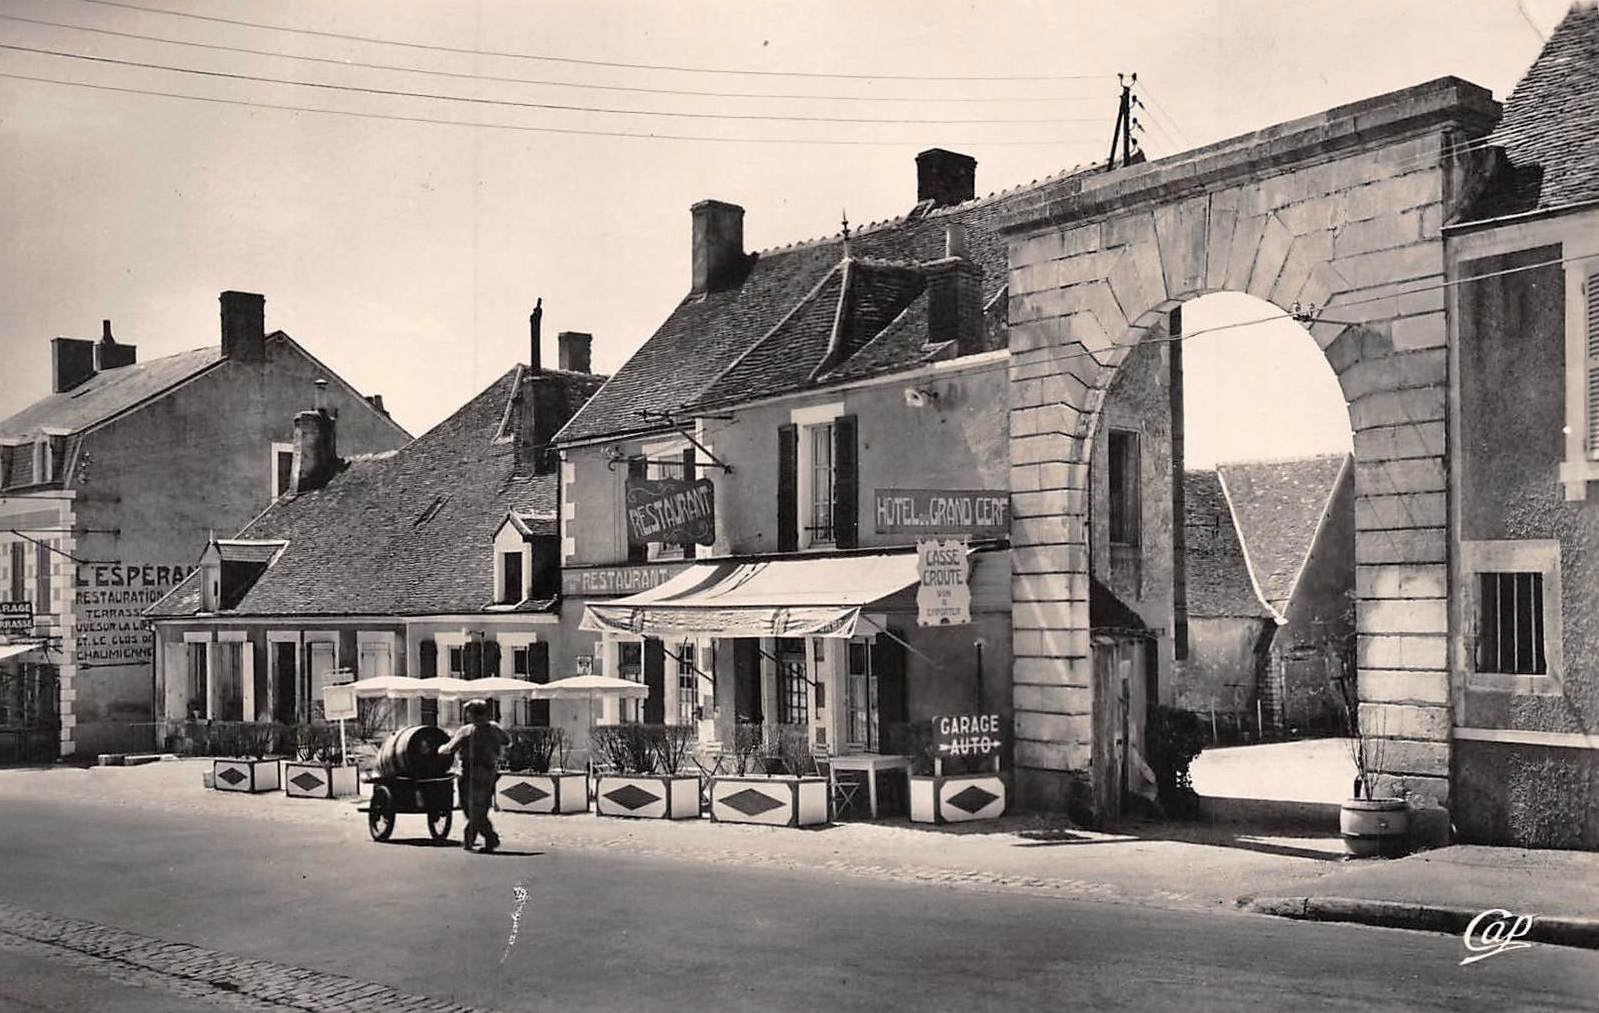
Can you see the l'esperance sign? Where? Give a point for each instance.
(942, 511)
(671, 511)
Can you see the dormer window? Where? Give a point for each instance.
(512, 584)
(282, 468)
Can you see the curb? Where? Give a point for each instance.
(1578, 932)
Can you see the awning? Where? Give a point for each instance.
(817, 597)
(9, 651)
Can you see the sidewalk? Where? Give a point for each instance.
(1443, 890)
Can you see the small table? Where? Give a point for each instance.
(870, 763)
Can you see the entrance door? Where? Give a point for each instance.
(793, 683)
(30, 723)
(285, 670)
(322, 662)
(893, 696)
(747, 706)
(860, 700)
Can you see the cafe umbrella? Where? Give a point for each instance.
(589, 687)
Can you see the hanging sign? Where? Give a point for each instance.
(981, 512)
(338, 702)
(671, 511)
(16, 617)
(967, 735)
(943, 597)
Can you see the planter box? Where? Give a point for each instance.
(957, 798)
(559, 791)
(649, 796)
(319, 780)
(246, 775)
(776, 800)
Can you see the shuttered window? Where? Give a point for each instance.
(1591, 300)
(846, 483)
(787, 488)
(636, 468)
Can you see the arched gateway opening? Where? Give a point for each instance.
(1335, 219)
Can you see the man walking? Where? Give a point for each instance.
(479, 743)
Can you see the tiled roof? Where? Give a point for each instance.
(726, 345)
(1550, 128)
(1278, 506)
(1217, 575)
(407, 533)
(109, 393)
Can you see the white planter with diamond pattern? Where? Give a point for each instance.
(318, 780)
(648, 796)
(957, 798)
(521, 791)
(246, 775)
(777, 800)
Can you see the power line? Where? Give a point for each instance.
(1160, 110)
(541, 82)
(527, 128)
(577, 61)
(513, 103)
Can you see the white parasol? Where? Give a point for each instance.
(404, 687)
(588, 687)
(492, 686)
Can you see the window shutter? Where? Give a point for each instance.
(1591, 297)
(787, 488)
(491, 658)
(846, 483)
(636, 468)
(538, 670)
(655, 679)
(427, 657)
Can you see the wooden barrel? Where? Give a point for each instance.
(413, 752)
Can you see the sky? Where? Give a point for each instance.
(406, 255)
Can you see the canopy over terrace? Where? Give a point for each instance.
(803, 597)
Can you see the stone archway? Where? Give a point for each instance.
(1339, 213)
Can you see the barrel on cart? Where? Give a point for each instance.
(412, 778)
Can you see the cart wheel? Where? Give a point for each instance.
(380, 814)
(439, 824)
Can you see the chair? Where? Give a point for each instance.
(841, 793)
(709, 768)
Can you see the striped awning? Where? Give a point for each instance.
(803, 597)
(10, 651)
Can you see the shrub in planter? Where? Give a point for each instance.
(536, 779)
(319, 769)
(242, 748)
(1172, 739)
(749, 748)
(646, 783)
(964, 788)
(790, 794)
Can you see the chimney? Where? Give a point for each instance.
(945, 177)
(376, 401)
(243, 326)
(110, 355)
(955, 295)
(535, 327)
(316, 450)
(575, 347)
(71, 362)
(719, 261)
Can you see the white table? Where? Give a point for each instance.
(870, 763)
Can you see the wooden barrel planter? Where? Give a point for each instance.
(1375, 827)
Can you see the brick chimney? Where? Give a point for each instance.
(719, 260)
(110, 355)
(945, 177)
(316, 446)
(955, 295)
(535, 328)
(575, 348)
(376, 401)
(71, 362)
(243, 326)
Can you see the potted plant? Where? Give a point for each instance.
(789, 793)
(320, 768)
(536, 779)
(647, 760)
(1372, 823)
(954, 789)
(241, 749)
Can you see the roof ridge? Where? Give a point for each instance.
(1286, 459)
(1243, 546)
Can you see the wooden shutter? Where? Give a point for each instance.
(846, 483)
(655, 679)
(538, 670)
(690, 550)
(787, 488)
(893, 711)
(636, 468)
(491, 658)
(1591, 298)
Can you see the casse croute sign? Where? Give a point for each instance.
(983, 512)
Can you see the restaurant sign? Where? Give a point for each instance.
(671, 511)
(984, 512)
(967, 735)
(598, 580)
(16, 617)
(943, 597)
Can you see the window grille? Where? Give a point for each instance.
(1510, 623)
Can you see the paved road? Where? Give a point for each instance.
(299, 911)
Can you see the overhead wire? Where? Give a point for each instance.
(544, 82)
(586, 62)
(520, 104)
(529, 128)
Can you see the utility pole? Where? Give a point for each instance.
(1122, 133)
